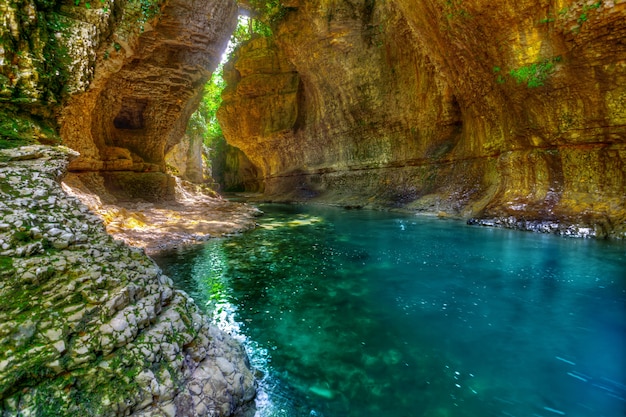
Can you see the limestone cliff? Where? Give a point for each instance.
(144, 91)
(119, 79)
(91, 327)
(512, 110)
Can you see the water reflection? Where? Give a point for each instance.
(369, 314)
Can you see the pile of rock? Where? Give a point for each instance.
(89, 325)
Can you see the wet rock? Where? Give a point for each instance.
(102, 315)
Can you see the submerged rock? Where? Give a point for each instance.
(90, 326)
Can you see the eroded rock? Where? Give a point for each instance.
(92, 327)
(465, 108)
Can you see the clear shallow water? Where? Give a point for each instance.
(359, 313)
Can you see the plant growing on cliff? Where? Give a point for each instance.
(535, 74)
(499, 78)
(269, 12)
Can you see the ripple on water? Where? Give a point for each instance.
(362, 313)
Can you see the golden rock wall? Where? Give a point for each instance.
(507, 110)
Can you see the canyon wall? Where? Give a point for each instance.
(514, 111)
(143, 94)
(88, 325)
(117, 80)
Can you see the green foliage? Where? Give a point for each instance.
(54, 73)
(248, 28)
(21, 237)
(138, 12)
(270, 12)
(585, 14)
(499, 78)
(40, 48)
(6, 264)
(535, 74)
(149, 9)
(46, 4)
(548, 19)
(204, 122)
(592, 6)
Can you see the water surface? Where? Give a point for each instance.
(359, 313)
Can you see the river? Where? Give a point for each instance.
(355, 313)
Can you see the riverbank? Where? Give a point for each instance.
(89, 325)
(193, 216)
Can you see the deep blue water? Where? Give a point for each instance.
(362, 313)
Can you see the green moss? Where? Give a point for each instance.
(21, 237)
(19, 129)
(6, 264)
(453, 10)
(49, 401)
(54, 70)
(548, 19)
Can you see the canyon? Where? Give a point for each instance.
(510, 115)
(507, 115)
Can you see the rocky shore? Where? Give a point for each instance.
(192, 216)
(90, 326)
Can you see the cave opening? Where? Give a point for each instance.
(130, 116)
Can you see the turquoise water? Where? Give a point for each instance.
(360, 313)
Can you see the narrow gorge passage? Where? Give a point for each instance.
(509, 114)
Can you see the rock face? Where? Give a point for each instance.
(144, 91)
(121, 79)
(185, 158)
(511, 111)
(89, 326)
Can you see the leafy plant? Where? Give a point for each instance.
(584, 16)
(535, 74)
(592, 6)
(269, 12)
(499, 78)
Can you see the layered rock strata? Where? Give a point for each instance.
(119, 78)
(512, 111)
(90, 326)
(144, 90)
